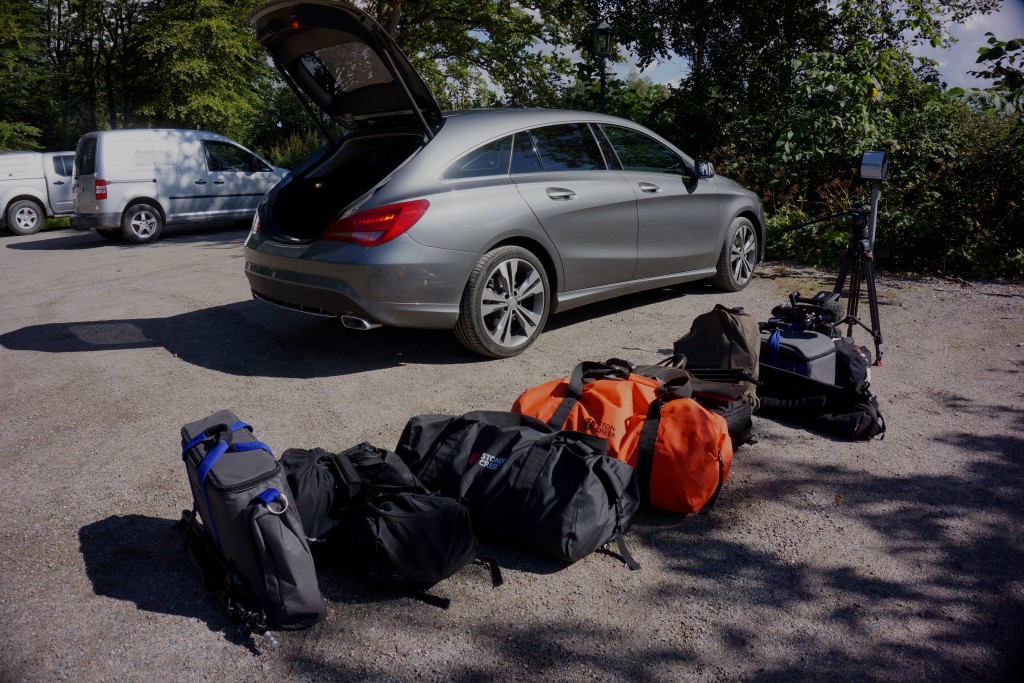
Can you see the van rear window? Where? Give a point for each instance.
(85, 156)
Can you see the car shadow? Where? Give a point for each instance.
(249, 338)
(254, 339)
(76, 240)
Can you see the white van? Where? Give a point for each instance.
(34, 185)
(134, 182)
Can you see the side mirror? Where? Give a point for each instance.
(705, 169)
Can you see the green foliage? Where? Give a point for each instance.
(21, 52)
(477, 53)
(294, 148)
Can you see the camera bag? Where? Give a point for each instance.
(556, 492)
(370, 509)
(247, 510)
(802, 352)
(682, 452)
(723, 339)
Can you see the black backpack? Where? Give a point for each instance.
(369, 508)
(848, 411)
(556, 492)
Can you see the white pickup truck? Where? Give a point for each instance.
(33, 186)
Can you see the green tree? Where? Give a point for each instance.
(483, 52)
(207, 69)
(21, 76)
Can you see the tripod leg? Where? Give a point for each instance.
(876, 325)
(855, 255)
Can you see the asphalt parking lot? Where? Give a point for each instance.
(899, 559)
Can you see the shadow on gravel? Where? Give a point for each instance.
(961, 532)
(74, 240)
(255, 339)
(138, 559)
(250, 338)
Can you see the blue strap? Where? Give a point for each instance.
(269, 496)
(199, 438)
(253, 446)
(774, 343)
(210, 460)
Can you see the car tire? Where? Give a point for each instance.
(738, 257)
(505, 304)
(110, 233)
(24, 217)
(142, 223)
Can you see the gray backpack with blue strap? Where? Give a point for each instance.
(250, 526)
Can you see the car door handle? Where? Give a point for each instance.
(58, 182)
(649, 188)
(200, 182)
(218, 181)
(560, 193)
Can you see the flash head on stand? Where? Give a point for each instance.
(874, 165)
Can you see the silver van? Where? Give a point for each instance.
(134, 182)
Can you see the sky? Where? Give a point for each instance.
(954, 62)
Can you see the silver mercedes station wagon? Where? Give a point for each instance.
(483, 222)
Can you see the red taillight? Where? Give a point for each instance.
(377, 226)
(101, 189)
(256, 223)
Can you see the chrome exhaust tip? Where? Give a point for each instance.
(358, 322)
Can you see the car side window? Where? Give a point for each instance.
(524, 155)
(568, 147)
(639, 152)
(62, 165)
(224, 157)
(488, 160)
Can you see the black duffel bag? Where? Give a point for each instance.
(377, 517)
(556, 492)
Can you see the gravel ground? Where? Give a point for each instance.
(899, 559)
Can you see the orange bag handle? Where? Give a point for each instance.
(613, 368)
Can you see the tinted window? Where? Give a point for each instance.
(491, 159)
(568, 147)
(524, 155)
(62, 165)
(638, 152)
(221, 156)
(345, 67)
(85, 156)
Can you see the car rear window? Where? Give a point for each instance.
(487, 160)
(85, 156)
(568, 147)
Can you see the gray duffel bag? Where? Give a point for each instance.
(242, 495)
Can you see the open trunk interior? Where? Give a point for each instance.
(302, 207)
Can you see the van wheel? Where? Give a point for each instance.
(141, 224)
(24, 217)
(505, 303)
(738, 257)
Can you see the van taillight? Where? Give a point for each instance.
(377, 226)
(101, 189)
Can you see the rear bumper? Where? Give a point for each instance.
(86, 221)
(402, 283)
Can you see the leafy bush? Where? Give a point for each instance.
(294, 149)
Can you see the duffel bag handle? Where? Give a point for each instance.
(220, 449)
(613, 368)
(222, 432)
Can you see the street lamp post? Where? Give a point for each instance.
(602, 48)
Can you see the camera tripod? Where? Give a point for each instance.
(857, 268)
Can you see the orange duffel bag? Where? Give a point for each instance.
(681, 451)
